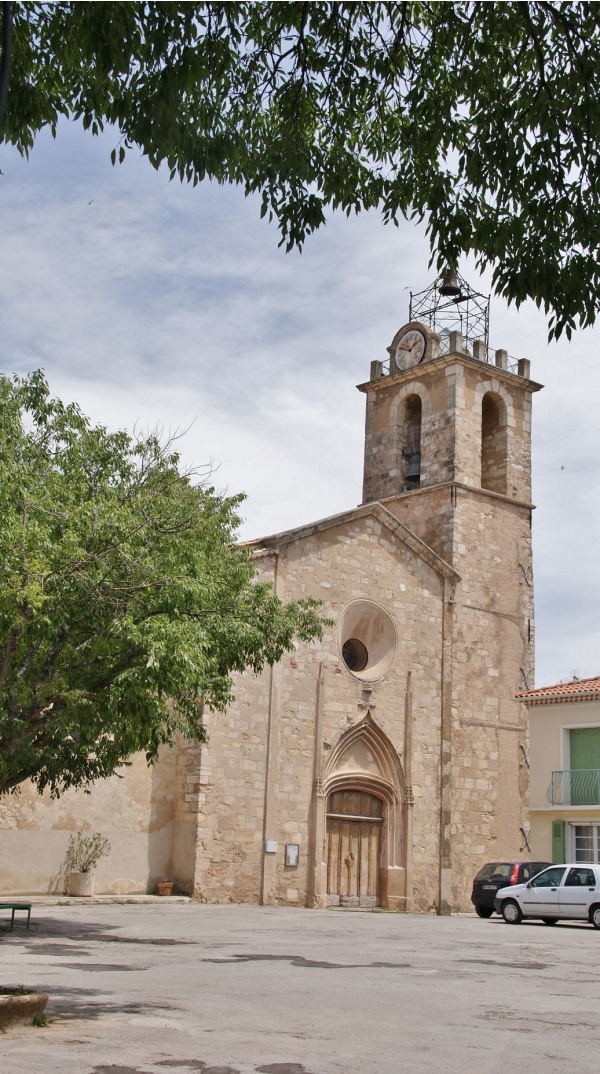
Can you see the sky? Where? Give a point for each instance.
(159, 305)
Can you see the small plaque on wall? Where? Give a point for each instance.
(292, 853)
(270, 846)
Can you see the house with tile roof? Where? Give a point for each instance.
(564, 755)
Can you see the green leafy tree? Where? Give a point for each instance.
(125, 603)
(481, 118)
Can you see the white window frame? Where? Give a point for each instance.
(583, 822)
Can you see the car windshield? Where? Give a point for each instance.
(498, 870)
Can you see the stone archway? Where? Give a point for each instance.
(363, 823)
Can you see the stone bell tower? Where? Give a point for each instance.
(448, 452)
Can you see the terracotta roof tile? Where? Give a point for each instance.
(577, 690)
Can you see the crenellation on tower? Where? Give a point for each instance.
(474, 422)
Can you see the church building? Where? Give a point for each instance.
(383, 765)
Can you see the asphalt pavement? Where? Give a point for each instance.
(175, 989)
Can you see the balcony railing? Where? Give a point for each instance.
(575, 787)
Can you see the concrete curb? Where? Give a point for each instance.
(98, 900)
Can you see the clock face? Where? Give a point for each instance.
(410, 349)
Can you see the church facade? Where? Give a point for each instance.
(382, 765)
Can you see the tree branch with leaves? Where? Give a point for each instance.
(125, 602)
(482, 119)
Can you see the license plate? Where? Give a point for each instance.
(489, 887)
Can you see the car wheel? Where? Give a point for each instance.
(552, 921)
(595, 916)
(484, 911)
(512, 913)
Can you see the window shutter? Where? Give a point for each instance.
(585, 748)
(558, 841)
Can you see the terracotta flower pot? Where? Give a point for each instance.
(165, 887)
(81, 884)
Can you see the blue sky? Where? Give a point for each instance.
(160, 305)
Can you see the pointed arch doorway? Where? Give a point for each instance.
(354, 829)
(363, 837)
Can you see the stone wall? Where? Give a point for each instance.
(269, 749)
(492, 649)
(488, 540)
(135, 811)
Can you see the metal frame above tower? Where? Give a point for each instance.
(450, 305)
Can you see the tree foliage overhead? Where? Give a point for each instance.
(482, 118)
(124, 601)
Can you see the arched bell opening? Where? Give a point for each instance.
(413, 416)
(493, 443)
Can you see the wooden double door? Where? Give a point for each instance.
(354, 825)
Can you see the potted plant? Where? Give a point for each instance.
(165, 887)
(83, 854)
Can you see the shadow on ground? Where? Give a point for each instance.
(187, 1065)
(45, 934)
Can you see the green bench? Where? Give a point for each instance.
(14, 906)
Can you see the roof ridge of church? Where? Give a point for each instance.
(375, 509)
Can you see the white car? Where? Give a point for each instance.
(561, 891)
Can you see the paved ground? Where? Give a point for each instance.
(154, 989)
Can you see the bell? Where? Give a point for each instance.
(414, 468)
(450, 285)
